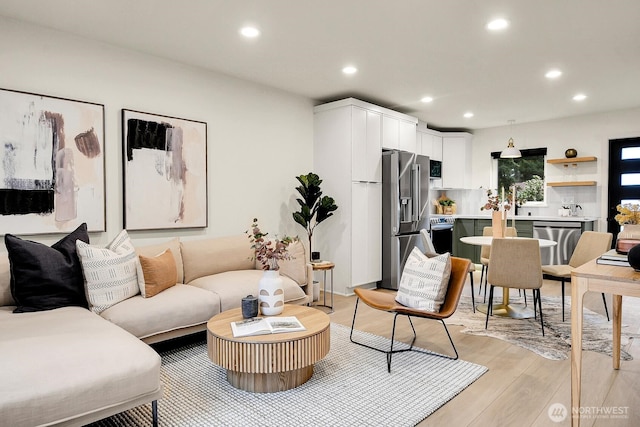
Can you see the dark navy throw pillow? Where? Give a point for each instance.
(43, 277)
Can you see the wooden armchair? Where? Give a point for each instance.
(385, 301)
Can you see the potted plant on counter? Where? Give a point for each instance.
(446, 205)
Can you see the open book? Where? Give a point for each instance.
(266, 325)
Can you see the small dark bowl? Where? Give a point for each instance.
(634, 257)
(571, 153)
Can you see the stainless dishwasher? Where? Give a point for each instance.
(565, 233)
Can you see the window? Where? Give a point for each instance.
(527, 173)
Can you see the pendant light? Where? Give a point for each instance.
(511, 152)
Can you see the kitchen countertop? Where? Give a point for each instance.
(525, 217)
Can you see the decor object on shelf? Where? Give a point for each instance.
(629, 218)
(314, 207)
(511, 152)
(165, 171)
(52, 164)
(571, 153)
(634, 257)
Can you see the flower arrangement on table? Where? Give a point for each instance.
(496, 203)
(269, 252)
(500, 205)
(628, 214)
(629, 218)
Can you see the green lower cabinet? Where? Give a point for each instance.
(475, 227)
(464, 228)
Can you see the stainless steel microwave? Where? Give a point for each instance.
(435, 167)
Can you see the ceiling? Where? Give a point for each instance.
(403, 49)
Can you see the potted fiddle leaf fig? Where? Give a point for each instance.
(314, 207)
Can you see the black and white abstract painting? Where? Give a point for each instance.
(165, 172)
(52, 164)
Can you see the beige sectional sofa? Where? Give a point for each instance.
(70, 366)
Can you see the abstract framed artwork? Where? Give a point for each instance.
(52, 164)
(165, 172)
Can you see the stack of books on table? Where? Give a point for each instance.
(613, 258)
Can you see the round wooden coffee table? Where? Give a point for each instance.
(273, 362)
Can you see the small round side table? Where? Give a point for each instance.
(324, 267)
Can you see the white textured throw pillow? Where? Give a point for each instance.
(424, 281)
(111, 274)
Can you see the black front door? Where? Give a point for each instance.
(624, 178)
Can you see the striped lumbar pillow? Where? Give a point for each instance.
(424, 281)
(111, 273)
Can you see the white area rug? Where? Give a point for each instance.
(350, 387)
(527, 333)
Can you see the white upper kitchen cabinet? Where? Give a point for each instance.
(350, 136)
(366, 162)
(456, 159)
(398, 131)
(428, 142)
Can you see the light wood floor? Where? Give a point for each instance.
(520, 386)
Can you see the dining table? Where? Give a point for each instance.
(506, 308)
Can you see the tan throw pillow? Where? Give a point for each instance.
(424, 281)
(155, 249)
(159, 273)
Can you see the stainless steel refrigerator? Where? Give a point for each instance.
(405, 210)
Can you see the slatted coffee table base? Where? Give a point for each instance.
(269, 363)
(268, 383)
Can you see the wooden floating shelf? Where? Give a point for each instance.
(572, 184)
(573, 160)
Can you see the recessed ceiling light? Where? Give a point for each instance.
(579, 97)
(497, 24)
(553, 74)
(349, 69)
(468, 114)
(427, 99)
(250, 32)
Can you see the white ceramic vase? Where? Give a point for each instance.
(271, 293)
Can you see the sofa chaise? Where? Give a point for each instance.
(71, 366)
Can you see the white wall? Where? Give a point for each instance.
(259, 138)
(588, 134)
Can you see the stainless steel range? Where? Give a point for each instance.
(441, 231)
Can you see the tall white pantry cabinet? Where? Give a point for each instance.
(348, 140)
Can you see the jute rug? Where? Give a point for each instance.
(527, 333)
(350, 387)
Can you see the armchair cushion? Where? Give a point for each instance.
(424, 281)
